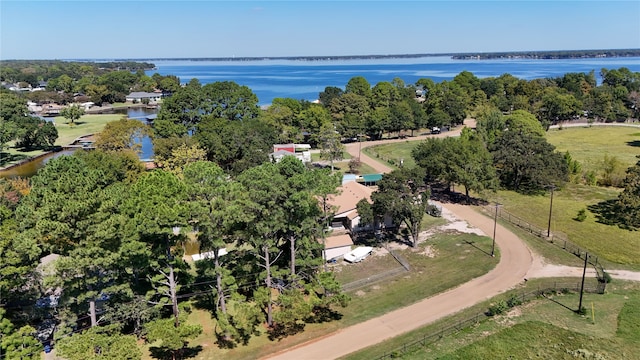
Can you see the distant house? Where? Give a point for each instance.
(300, 151)
(139, 96)
(336, 246)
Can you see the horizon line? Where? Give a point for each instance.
(344, 57)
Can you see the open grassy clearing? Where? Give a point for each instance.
(548, 330)
(87, 124)
(391, 154)
(617, 246)
(539, 325)
(315, 156)
(589, 145)
(429, 276)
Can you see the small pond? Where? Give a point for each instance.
(30, 168)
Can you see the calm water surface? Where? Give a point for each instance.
(299, 79)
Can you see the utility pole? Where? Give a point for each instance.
(584, 272)
(552, 187)
(495, 223)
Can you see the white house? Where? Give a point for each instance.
(301, 151)
(139, 96)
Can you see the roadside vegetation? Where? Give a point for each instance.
(546, 328)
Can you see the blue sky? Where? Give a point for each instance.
(169, 29)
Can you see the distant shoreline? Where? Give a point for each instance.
(551, 55)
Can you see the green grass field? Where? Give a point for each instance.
(620, 248)
(589, 145)
(87, 124)
(393, 152)
(540, 329)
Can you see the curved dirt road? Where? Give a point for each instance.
(515, 261)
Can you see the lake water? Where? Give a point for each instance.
(304, 80)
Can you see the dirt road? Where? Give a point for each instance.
(515, 261)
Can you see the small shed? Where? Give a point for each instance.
(336, 246)
(371, 179)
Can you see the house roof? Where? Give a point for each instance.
(142, 94)
(338, 241)
(350, 193)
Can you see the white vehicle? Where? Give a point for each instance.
(358, 254)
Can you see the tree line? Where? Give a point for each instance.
(68, 82)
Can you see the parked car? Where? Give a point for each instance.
(358, 254)
(435, 130)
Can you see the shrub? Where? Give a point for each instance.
(433, 211)
(582, 215)
(514, 301)
(497, 308)
(354, 164)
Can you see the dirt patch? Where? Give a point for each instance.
(360, 293)
(429, 251)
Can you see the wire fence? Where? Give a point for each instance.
(379, 277)
(559, 240)
(433, 335)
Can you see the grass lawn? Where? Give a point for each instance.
(539, 329)
(437, 272)
(315, 157)
(589, 145)
(620, 248)
(395, 152)
(87, 124)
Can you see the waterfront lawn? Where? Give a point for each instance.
(456, 261)
(618, 247)
(86, 125)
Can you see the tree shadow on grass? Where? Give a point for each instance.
(606, 212)
(557, 302)
(473, 243)
(634, 143)
(281, 331)
(184, 353)
(445, 195)
(324, 314)
(9, 159)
